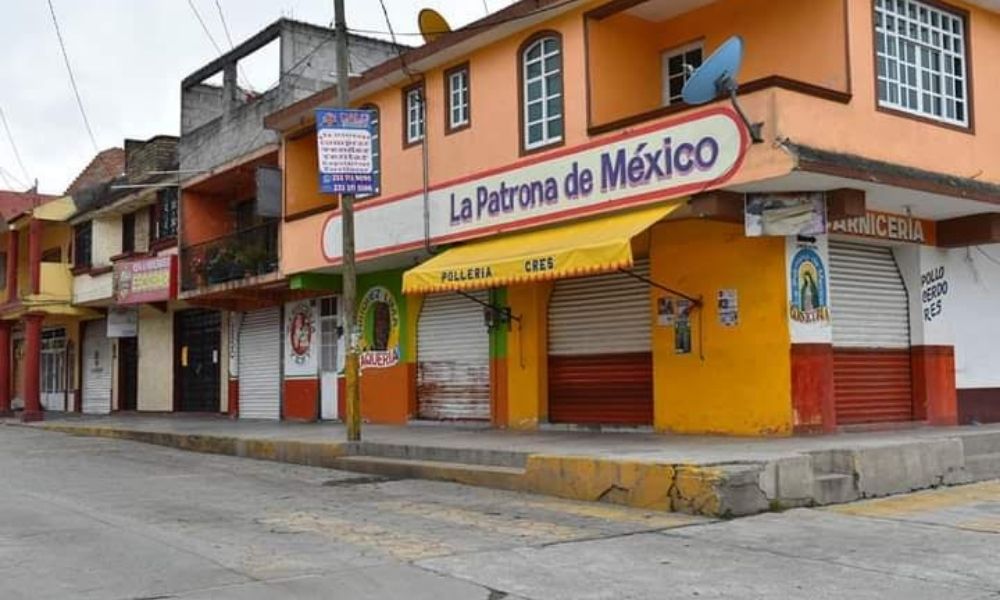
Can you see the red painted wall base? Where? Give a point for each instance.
(935, 398)
(812, 388)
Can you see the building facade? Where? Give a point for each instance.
(558, 240)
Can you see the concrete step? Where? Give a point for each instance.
(508, 478)
(981, 443)
(469, 456)
(983, 466)
(834, 488)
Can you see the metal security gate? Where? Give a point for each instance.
(259, 364)
(53, 369)
(197, 335)
(96, 368)
(872, 379)
(600, 350)
(453, 359)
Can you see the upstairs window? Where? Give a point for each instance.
(82, 245)
(677, 65)
(128, 233)
(457, 95)
(413, 107)
(165, 214)
(542, 93)
(922, 67)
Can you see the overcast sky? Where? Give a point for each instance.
(129, 57)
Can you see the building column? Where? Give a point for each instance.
(35, 256)
(32, 360)
(6, 356)
(13, 240)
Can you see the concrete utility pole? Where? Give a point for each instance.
(353, 400)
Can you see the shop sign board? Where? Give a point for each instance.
(887, 226)
(146, 280)
(123, 322)
(642, 166)
(344, 139)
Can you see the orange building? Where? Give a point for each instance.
(559, 240)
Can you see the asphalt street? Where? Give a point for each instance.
(107, 519)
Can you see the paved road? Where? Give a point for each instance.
(94, 518)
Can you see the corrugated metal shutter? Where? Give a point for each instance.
(871, 335)
(453, 359)
(259, 365)
(600, 350)
(96, 368)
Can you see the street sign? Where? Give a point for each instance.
(344, 139)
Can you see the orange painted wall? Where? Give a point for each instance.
(301, 400)
(934, 395)
(385, 394)
(301, 180)
(204, 217)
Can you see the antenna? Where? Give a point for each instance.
(716, 78)
(432, 24)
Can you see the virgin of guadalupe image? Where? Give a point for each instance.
(808, 292)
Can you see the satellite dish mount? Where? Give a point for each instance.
(716, 78)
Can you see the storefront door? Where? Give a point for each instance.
(260, 360)
(196, 360)
(128, 373)
(53, 369)
(329, 356)
(872, 379)
(453, 359)
(600, 350)
(96, 367)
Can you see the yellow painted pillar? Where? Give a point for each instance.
(527, 356)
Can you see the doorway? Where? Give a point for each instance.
(128, 373)
(330, 353)
(196, 360)
(53, 369)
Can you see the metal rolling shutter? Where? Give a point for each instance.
(871, 336)
(600, 350)
(453, 354)
(96, 368)
(259, 365)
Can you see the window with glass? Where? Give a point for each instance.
(128, 233)
(329, 331)
(414, 98)
(678, 64)
(458, 98)
(921, 62)
(81, 244)
(541, 67)
(165, 214)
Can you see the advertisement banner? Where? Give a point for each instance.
(123, 322)
(145, 280)
(785, 214)
(346, 162)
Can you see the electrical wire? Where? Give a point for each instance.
(229, 38)
(72, 79)
(13, 146)
(204, 27)
(486, 7)
(392, 34)
(6, 180)
(988, 256)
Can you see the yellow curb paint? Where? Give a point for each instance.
(540, 531)
(617, 514)
(925, 501)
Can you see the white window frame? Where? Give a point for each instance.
(668, 77)
(546, 119)
(924, 69)
(415, 115)
(458, 98)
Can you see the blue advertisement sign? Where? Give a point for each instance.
(345, 139)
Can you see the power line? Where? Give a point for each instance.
(392, 33)
(13, 146)
(204, 27)
(229, 38)
(7, 176)
(486, 6)
(72, 79)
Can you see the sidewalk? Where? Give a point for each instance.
(715, 476)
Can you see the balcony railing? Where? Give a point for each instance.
(247, 253)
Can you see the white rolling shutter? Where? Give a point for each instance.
(605, 314)
(259, 364)
(453, 354)
(96, 368)
(868, 298)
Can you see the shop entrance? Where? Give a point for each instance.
(128, 373)
(330, 353)
(96, 367)
(600, 350)
(54, 369)
(453, 359)
(259, 364)
(196, 360)
(872, 379)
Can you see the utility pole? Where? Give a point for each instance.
(353, 400)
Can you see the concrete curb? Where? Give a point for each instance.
(716, 490)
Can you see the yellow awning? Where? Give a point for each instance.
(569, 250)
(60, 209)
